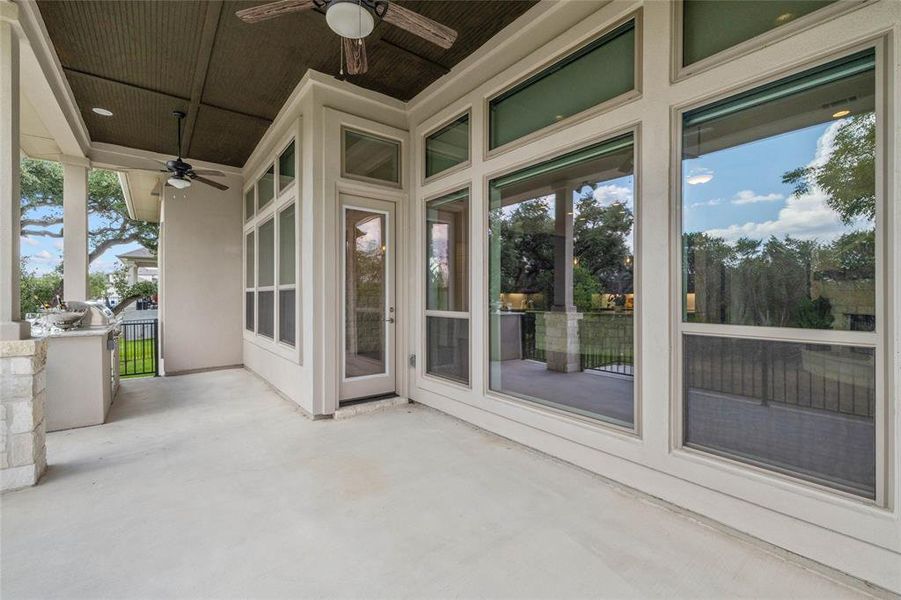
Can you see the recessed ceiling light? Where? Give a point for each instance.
(841, 113)
(784, 17)
(103, 112)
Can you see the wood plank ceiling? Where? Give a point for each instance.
(144, 59)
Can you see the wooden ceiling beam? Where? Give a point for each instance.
(201, 68)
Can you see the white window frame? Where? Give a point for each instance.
(875, 339)
(267, 288)
(252, 289)
(447, 314)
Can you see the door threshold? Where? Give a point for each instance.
(368, 405)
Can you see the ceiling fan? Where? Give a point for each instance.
(353, 20)
(181, 174)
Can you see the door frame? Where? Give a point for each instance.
(350, 201)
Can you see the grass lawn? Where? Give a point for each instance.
(140, 357)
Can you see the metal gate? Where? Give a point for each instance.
(139, 348)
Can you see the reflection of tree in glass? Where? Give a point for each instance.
(782, 283)
(849, 175)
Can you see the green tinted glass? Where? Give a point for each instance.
(447, 147)
(286, 167)
(710, 26)
(598, 72)
(371, 157)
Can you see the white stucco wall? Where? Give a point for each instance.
(200, 256)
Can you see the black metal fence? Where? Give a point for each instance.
(605, 341)
(139, 348)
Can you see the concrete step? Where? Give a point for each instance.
(346, 412)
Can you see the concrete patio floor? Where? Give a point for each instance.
(211, 486)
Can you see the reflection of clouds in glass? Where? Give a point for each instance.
(609, 194)
(30, 241)
(805, 216)
(749, 197)
(698, 176)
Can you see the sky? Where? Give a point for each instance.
(738, 192)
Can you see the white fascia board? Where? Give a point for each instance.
(45, 84)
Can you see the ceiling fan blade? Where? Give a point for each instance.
(417, 24)
(209, 182)
(271, 10)
(355, 55)
(208, 172)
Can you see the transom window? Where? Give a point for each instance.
(447, 147)
(600, 71)
(370, 157)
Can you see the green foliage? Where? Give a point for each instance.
(42, 208)
(585, 286)
(849, 174)
(37, 290)
(140, 289)
(815, 314)
(97, 285)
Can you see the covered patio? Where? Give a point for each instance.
(507, 298)
(213, 486)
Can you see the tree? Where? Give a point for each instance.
(42, 208)
(36, 291)
(849, 174)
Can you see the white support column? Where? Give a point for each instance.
(11, 327)
(75, 230)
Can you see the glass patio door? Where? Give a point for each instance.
(367, 302)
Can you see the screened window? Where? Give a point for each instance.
(266, 187)
(286, 167)
(602, 70)
(370, 157)
(447, 147)
(711, 26)
(249, 281)
(248, 204)
(447, 286)
(286, 276)
(561, 270)
(779, 230)
(266, 278)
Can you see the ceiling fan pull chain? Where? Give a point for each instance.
(341, 60)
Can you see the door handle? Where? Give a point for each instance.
(389, 320)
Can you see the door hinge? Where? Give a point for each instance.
(412, 360)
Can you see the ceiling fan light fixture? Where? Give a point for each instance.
(179, 182)
(350, 18)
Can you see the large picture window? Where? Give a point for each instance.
(447, 286)
(602, 70)
(779, 230)
(561, 272)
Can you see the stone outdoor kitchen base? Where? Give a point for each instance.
(22, 431)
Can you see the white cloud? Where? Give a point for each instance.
(805, 216)
(712, 202)
(58, 244)
(609, 194)
(44, 256)
(749, 197)
(30, 241)
(699, 176)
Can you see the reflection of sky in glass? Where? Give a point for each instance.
(370, 234)
(738, 192)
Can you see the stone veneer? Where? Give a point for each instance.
(23, 455)
(561, 338)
